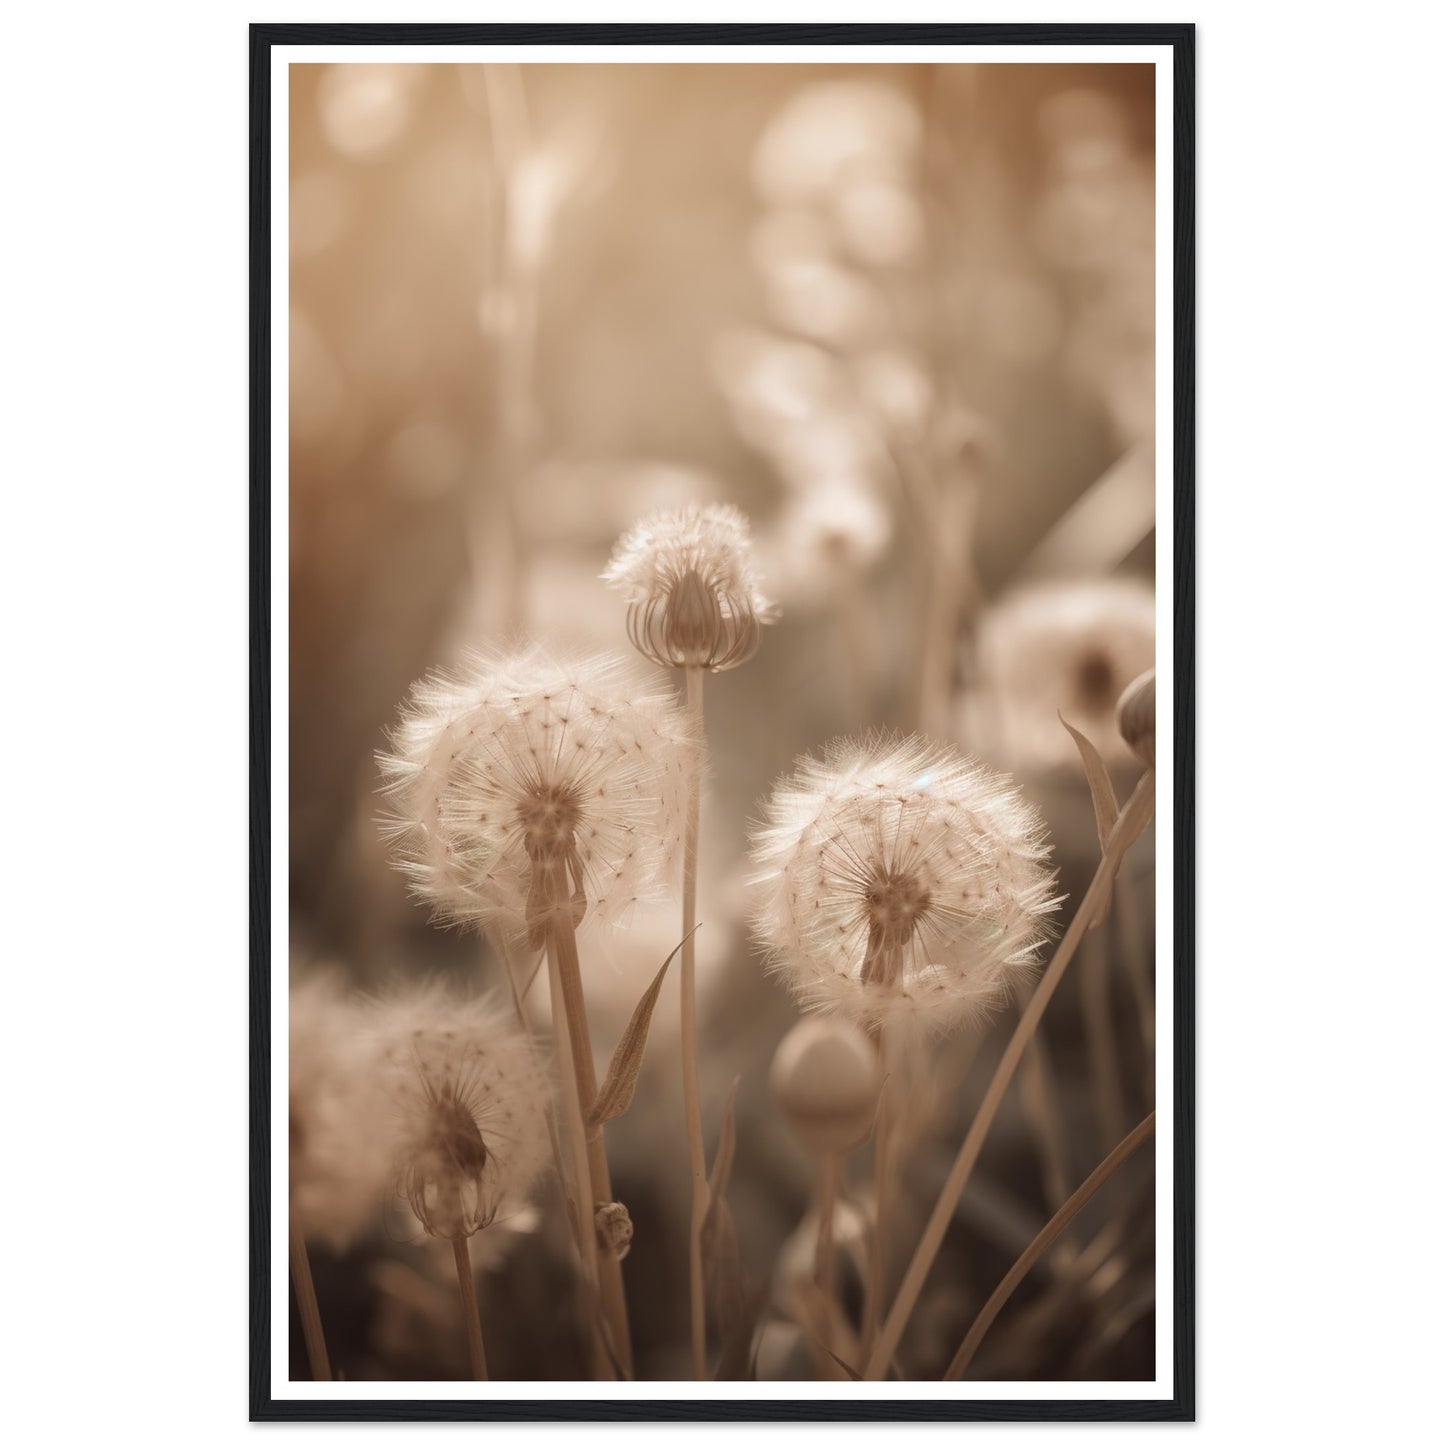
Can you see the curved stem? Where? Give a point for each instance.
(306, 1303)
(1039, 1095)
(1136, 965)
(1102, 1046)
(1132, 821)
(692, 1105)
(1041, 1241)
(468, 1283)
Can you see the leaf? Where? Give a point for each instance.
(726, 1276)
(618, 1087)
(1106, 805)
(1101, 790)
(738, 1308)
(722, 1163)
(718, 1237)
(738, 1357)
(822, 1320)
(1138, 813)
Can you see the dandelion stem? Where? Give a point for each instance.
(1041, 1241)
(824, 1257)
(524, 1024)
(1131, 822)
(306, 1303)
(467, 1281)
(853, 623)
(1101, 1043)
(580, 1196)
(692, 1106)
(883, 1168)
(950, 587)
(562, 954)
(515, 340)
(825, 1251)
(1040, 1100)
(1128, 926)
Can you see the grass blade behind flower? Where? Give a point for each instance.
(1045, 1237)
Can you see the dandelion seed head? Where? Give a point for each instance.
(693, 594)
(526, 783)
(467, 1103)
(337, 1158)
(1063, 647)
(897, 881)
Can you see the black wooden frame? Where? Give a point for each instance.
(1180, 38)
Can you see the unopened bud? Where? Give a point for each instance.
(1136, 717)
(614, 1228)
(826, 1078)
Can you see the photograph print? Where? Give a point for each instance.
(722, 722)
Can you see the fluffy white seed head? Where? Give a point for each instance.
(467, 1102)
(693, 594)
(899, 882)
(527, 784)
(1066, 647)
(338, 1157)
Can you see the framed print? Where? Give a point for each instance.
(721, 722)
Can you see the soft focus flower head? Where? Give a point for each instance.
(898, 881)
(468, 1102)
(528, 784)
(831, 128)
(829, 535)
(337, 1155)
(1062, 647)
(693, 594)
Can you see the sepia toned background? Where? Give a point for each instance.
(903, 316)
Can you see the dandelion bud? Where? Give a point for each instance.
(1136, 717)
(898, 881)
(826, 1078)
(468, 1106)
(691, 588)
(529, 789)
(614, 1228)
